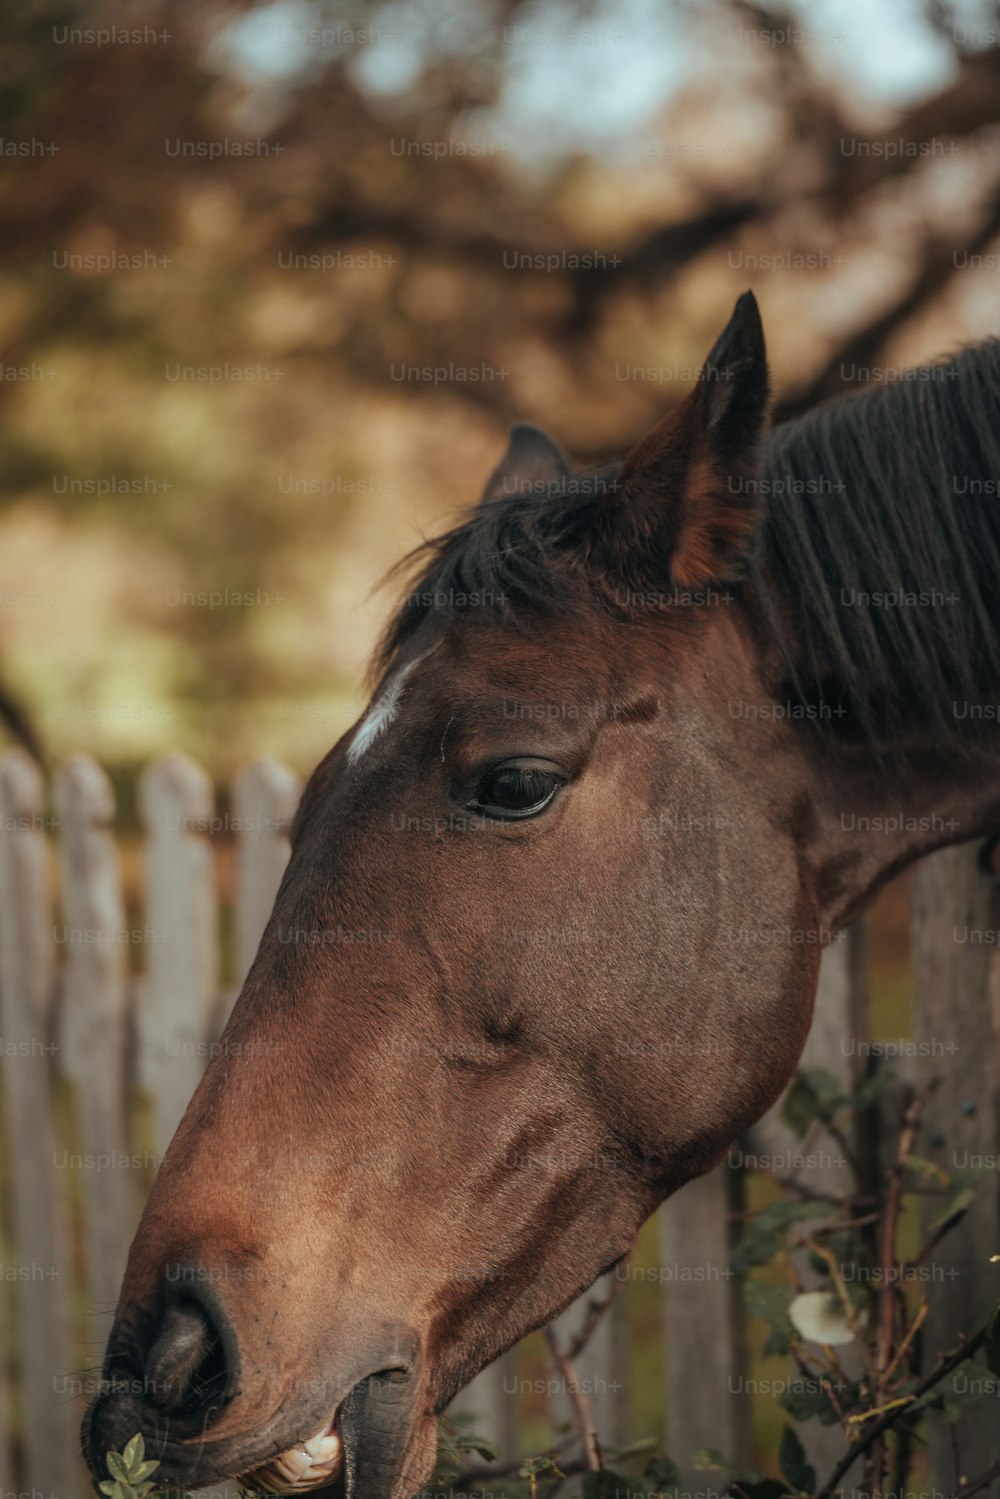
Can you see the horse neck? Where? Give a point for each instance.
(872, 821)
(876, 802)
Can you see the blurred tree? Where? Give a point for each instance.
(240, 190)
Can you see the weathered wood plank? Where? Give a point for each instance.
(94, 1023)
(491, 1404)
(957, 1022)
(264, 800)
(703, 1320)
(175, 1010)
(838, 1043)
(43, 1264)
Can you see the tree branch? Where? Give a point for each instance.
(858, 1448)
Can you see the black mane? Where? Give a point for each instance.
(883, 535)
(878, 558)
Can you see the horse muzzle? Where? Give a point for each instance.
(354, 1437)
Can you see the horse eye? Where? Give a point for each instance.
(513, 791)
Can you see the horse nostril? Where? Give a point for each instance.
(186, 1364)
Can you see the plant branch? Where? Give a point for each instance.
(965, 1351)
(887, 1288)
(595, 1309)
(914, 1327)
(582, 1415)
(975, 1484)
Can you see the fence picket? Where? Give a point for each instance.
(175, 1010)
(703, 1320)
(490, 1407)
(94, 1020)
(41, 1230)
(957, 1005)
(264, 800)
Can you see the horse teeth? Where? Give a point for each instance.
(295, 1462)
(324, 1447)
(302, 1467)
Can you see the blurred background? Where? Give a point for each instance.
(276, 278)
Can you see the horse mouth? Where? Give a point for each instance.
(304, 1467)
(359, 1450)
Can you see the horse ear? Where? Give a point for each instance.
(532, 464)
(683, 491)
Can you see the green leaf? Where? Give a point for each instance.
(806, 1404)
(779, 1340)
(956, 1204)
(770, 1305)
(480, 1445)
(757, 1246)
(928, 1168)
(826, 1089)
(792, 1461)
(115, 1464)
(144, 1470)
(798, 1108)
(455, 1443)
(766, 1302)
(707, 1457)
(604, 1484)
(762, 1240)
(134, 1452)
(662, 1474)
(533, 1466)
(872, 1090)
(814, 1096)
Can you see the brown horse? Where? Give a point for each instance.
(549, 935)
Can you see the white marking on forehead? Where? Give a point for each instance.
(380, 715)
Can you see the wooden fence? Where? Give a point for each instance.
(97, 1063)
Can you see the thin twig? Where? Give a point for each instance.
(836, 1227)
(850, 1155)
(579, 1401)
(813, 1194)
(826, 1384)
(911, 1334)
(967, 1349)
(878, 1411)
(465, 1482)
(941, 1232)
(975, 1484)
(887, 1294)
(595, 1309)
